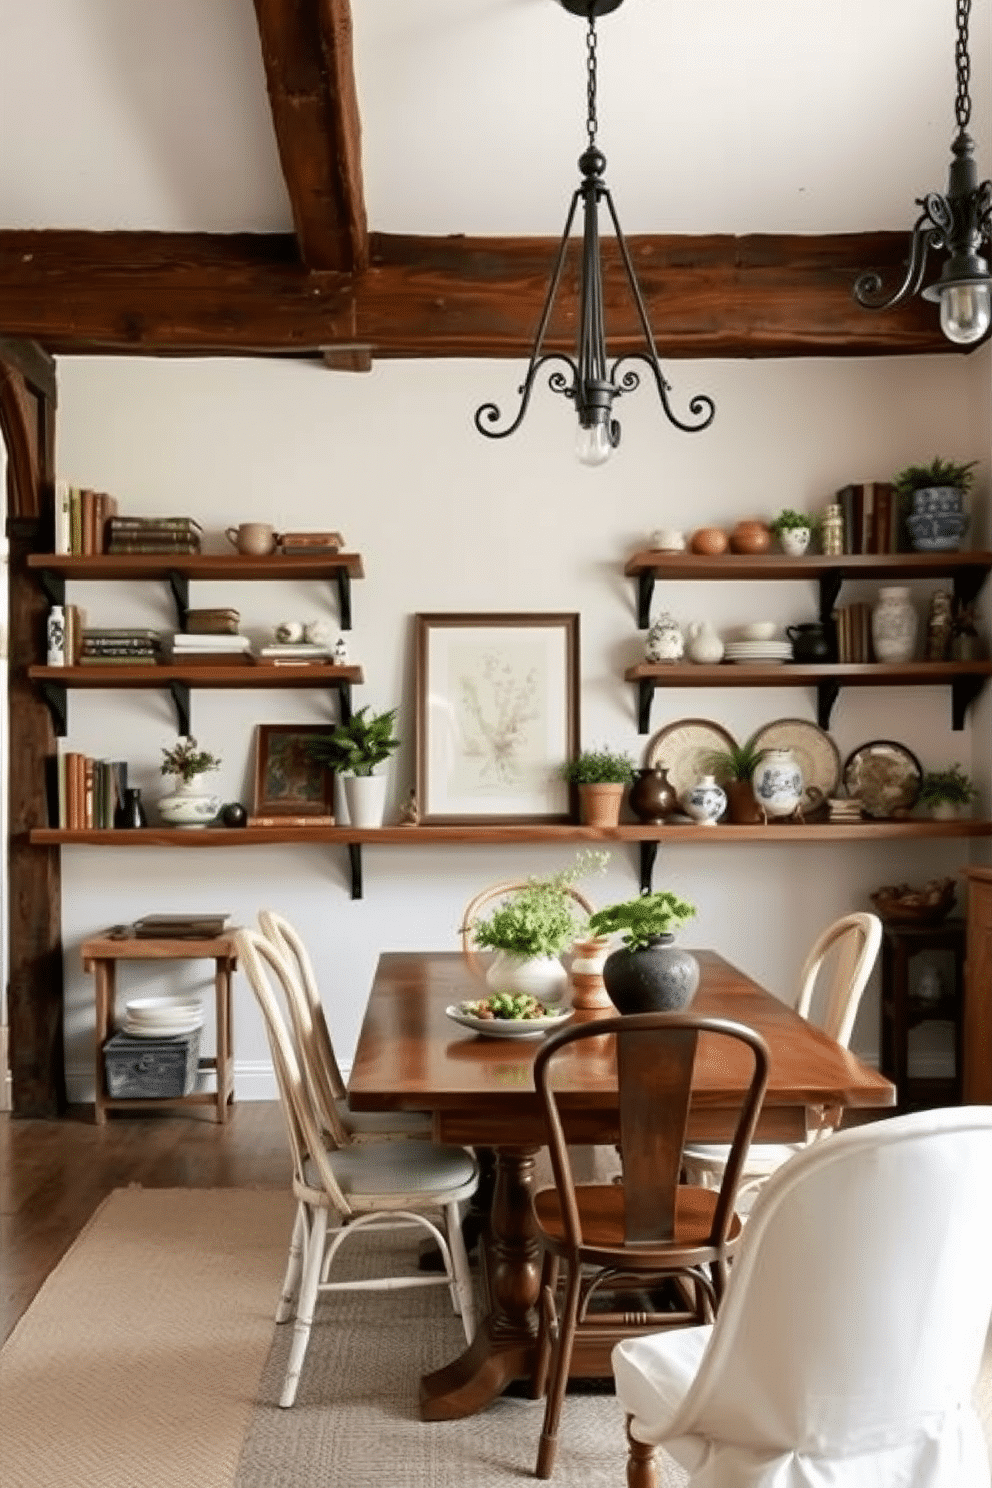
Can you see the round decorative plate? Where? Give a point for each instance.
(885, 776)
(815, 753)
(683, 749)
(512, 1028)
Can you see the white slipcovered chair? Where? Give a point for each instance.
(342, 1186)
(851, 1333)
(831, 984)
(310, 1024)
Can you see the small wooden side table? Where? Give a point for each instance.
(901, 1010)
(101, 955)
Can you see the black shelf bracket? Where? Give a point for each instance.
(826, 696)
(355, 856)
(344, 598)
(645, 591)
(649, 852)
(53, 585)
(180, 699)
(968, 583)
(344, 696)
(964, 691)
(57, 702)
(645, 693)
(179, 584)
(830, 583)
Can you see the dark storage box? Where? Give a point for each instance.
(151, 1067)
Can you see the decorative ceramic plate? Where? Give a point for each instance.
(885, 776)
(509, 1027)
(815, 753)
(683, 749)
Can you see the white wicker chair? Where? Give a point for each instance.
(310, 1024)
(848, 949)
(381, 1184)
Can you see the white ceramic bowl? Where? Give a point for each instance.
(759, 630)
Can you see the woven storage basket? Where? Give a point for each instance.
(146, 1067)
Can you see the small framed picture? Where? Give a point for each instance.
(288, 780)
(497, 716)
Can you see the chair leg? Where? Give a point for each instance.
(548, 1448)
(294, 1265)
(642, 1468)
(313, 1257)
(546, 1328)
(462, 1290)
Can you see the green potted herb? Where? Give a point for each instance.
(355, 749)
(600, 776)
(938, 474)
(734, 768)
(932, 500)
(947, 793)
(646, 972)
(794, 531)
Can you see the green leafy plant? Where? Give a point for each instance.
(736, 762)
(187, 760)
(951, 785)
(642, 919)
(791, 521)
(938, 473)
(599, 767)
(357, 746)
(542, 918)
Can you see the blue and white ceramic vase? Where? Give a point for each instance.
(657, 978)
(778, 783)
(705, 802)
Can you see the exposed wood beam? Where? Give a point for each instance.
(720, 296)
(307, 51)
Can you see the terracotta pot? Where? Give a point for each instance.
(750, 537)
(742, 807)
(599, 805)
(709, 540)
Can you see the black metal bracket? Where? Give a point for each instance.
(830, 583)
(355, 856)
(344, 598)
(179, 584)
(180, 699)
(645, 593)
(56, 699)
(645, 693)
(53, 585)
(964, 691)
(344, 696)
(649, 852)
(826, 696)
(968, 584)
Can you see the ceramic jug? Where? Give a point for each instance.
(664, 642)
(704, 645)
(705, 802)
(652, 796)
(809, 641)
(778, 783)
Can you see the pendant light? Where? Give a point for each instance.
(958, 222)
(590, 381)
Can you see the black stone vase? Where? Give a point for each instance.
(657, 978)
(131, 812)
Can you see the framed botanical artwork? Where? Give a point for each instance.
(497, 716)
(288, 780)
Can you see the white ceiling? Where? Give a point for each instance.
(715, 115)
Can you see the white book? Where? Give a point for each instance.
(184, 642)
(55, 637)
(63, 525)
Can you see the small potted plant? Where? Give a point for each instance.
(947, 794)
(188, 805)
(734, 768)
(647, 973)
(355, 749)
(794, 531)
(530, 929)
(932, 498)
(600, 776)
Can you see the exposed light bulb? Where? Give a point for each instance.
(965, 312)
(592, 444)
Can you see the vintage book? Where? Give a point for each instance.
(153, 543)
(154, 524)
(212, 622)
(290, 821)
(63, 526)
(208, 658)
(75, 520)
(119, 645)
(881, 537)
(296, 651)
(55, 653)
(178, 927)
(106, 508)
(183, 641)
(330, 541)
(120, 658)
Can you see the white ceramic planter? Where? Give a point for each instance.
(795, 541)
(365, 797)
(544, 977)
(189, 805)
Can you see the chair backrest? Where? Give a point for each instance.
(846, 951)
(309, 1021)
(860, 1296)
(258, 958)
(475, 906)
(655, 1055)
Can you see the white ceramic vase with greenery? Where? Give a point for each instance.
(354, 749)
(188, 804)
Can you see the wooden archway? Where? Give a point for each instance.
(34, 913)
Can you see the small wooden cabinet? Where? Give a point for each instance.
(922, 982)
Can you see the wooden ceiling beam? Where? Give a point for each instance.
(188, 295)
(309, 68)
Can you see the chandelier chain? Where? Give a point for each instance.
(962, 61)
(592, 122)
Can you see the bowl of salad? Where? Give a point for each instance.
(508, 1015)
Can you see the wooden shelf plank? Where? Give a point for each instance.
(747, 566)
(234, 567)
(795, 674)
(256, 674)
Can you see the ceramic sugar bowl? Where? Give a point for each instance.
(664, 642)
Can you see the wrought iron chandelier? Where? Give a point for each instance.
(591, 383)
(960, 222)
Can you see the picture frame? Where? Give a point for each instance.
(289, 782)
(497, 715)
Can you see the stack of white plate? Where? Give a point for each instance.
(759, 653)
(162, 1017)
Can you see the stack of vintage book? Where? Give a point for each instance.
(119, 646)
(153, 535)
(211, 649)
(81, 518)
(845, 808)
(853, 626)
(296, 653)
(872, 517)
(313, 543)
(85, 792)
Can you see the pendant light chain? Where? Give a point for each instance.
(962, 61)
(592, 123)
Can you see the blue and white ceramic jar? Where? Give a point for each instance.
(778, 783)
(705, 802)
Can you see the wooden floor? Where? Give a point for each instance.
(54, 1174)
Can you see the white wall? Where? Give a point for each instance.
(448, 521)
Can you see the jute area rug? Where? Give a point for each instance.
(150, 1360)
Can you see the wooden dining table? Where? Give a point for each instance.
(480, 1092)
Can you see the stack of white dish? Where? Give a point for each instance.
(759, 653)
(162, 1017)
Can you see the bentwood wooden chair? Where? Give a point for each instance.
(849, 1344)
(310, 1024)
(343, 1187)
(831, 985)
(648, 1228)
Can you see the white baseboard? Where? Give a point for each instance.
(254, 1080)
